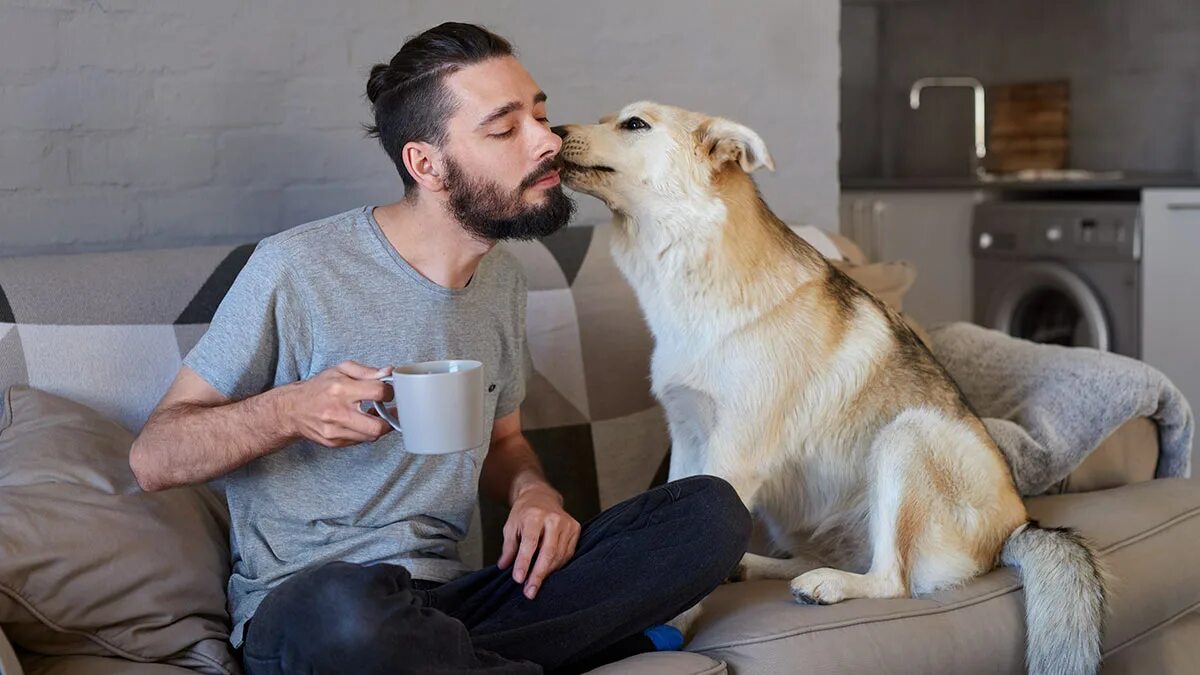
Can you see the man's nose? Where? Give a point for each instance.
(547, 146)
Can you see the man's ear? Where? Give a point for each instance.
(722, 140)
(424, 164)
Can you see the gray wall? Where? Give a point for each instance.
(1133, 67)
(140, 123)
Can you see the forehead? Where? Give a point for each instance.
(484, 86)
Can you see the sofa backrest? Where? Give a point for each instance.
(109, 330)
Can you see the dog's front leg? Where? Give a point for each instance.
(755, 566)
(687, 459)
(689, 420)
(743, 472)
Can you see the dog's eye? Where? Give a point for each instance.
(634, 124)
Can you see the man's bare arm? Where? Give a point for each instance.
(511, 466)
(196, 434)
(537, 523)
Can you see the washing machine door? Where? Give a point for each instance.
(1048, 303)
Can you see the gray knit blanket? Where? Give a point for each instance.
(1048, 406)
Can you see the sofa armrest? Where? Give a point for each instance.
(9, 665)
(1128, 455)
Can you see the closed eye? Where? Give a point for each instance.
(504, 134)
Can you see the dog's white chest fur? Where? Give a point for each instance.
(743, 396)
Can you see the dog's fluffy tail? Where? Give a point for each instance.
(1065, 598)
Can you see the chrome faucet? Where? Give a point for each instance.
(914, 100)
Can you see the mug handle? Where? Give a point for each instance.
(383, 413)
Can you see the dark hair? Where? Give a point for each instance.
(408, 94)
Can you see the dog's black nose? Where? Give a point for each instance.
(560, 131)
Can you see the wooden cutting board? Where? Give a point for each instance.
(1027, 126)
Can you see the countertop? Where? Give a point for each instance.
(1111, 180)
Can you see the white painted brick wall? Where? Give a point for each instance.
(33, 161)
(163, 159)
(140, 123)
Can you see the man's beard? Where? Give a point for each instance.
(487, 212)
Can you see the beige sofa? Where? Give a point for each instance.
(602, 438)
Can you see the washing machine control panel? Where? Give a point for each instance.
(1067, 230)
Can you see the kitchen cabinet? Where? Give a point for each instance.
(931, 230)
(1171, 285)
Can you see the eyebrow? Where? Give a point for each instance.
(511, 106)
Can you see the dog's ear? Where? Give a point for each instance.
(723, 141)
(609, 118)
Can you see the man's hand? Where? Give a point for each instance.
(325, 409)
(538, 523)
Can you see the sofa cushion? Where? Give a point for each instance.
(96, 665)
(1149, 535)
(1168, 650)
(663, 663)
(1128, 455)
(90, 564)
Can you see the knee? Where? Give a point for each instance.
(724, 517)
(733, 514)
(349, 595)
(333, 609)
(336, 584)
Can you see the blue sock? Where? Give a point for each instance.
(660, 638)
(665, 638)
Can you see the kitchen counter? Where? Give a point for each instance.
(1108, 181)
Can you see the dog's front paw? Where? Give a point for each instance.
(819, 587)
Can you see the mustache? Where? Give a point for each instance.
(540, 172)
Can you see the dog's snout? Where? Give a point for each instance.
(560, 130)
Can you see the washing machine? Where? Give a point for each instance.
(1060, 273)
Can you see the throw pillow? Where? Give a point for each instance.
(90, 564)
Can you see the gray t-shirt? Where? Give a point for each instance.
(308, 299)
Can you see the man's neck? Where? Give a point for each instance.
(432, 241)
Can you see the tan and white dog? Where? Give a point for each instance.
(829, 417)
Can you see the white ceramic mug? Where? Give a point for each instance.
(439, 406)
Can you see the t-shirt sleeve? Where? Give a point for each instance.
(239, 354)
(521, 367)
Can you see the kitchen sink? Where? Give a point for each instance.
(1050, 175)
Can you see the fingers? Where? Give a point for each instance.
(370, 426)
(360, 372)
(331, 413)
(571, 537)
(530, 536)
(559, 536)
(365, 390)
(509, 552)
(336, 437)
(339, 435)
(344, 425)
(547, 558)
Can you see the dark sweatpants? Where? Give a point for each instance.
(638, 564)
